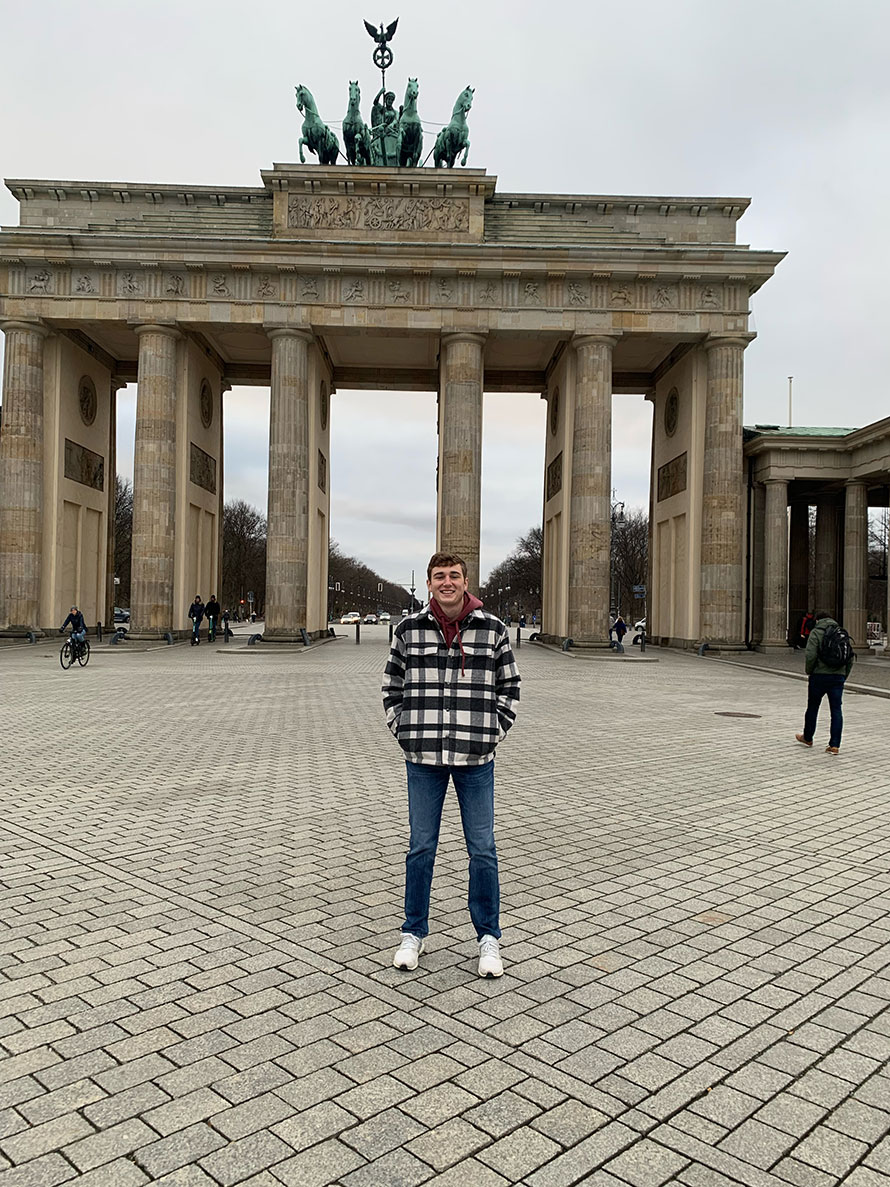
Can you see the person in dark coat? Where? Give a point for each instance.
(196, 614)
(826, 679)
(78, 626)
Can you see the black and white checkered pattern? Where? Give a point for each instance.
(440, 714)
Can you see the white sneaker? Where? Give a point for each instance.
(408, 951)
(490, 963)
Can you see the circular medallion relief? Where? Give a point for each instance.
(554, 411)
(672, 412)
(86, 396)
(323, 406)
(206, 405)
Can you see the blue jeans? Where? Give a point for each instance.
(475, 796)
(821, 685)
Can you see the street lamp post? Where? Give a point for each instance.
(617, 521)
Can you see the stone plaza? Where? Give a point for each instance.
(203, 865)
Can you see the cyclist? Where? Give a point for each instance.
(212, 611)
(196, 613)
(78, 627)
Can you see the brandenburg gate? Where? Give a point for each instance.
(377, 277)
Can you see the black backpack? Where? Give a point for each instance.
(836, 650)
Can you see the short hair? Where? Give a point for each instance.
(820, 614)
(441, 560)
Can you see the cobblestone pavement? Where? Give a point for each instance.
(202, 869)
(871, 671)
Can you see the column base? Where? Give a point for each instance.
(21, 632)
(772, 648)
(720, 645)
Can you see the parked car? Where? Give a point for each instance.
(641, 625)
(386, 616)
(370, 620)
(121, 615)
(351, 618)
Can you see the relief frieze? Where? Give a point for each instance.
(84, 466)
(202, 468)
(352, 213)
(672, 477)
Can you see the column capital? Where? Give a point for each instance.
(851, 482)
(774, 481)
(740, 340)
(117, 383)
(22, 325)
(155, 327)
(302, 332)
(580, 340)
(478, 337)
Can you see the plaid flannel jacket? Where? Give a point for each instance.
(440, 715)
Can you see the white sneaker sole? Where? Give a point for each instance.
(407, 961)
(491, 972)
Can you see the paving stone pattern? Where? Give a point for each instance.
(202, 863)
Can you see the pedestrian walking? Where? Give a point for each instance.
(450, 693)
(211, 613)
(829, 660)
(196, 613)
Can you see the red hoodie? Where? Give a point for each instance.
(451, 627)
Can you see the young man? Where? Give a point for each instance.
(450, 693)
(211, 612)
(827, 675)
(196, 613)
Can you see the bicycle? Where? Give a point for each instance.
(73, 650)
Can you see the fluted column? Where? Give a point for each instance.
(287, 539)
(154, 483)
(856, 562)
(825, 593)
(21, 476)
(460, 449)
(723, 518)
(589, 509)
(799, 564)
(775, 585)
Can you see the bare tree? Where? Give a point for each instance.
(513, 588)
(243, 555)
(353, 585)
(630, 561)
(123, 537)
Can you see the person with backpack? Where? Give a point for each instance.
(829, 660)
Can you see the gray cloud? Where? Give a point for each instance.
(786, 103)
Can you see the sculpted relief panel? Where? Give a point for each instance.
(378, 214)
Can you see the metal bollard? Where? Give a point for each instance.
(98, 632)
(358, 633)
(390, 632)
(518, 638)
(642, 641)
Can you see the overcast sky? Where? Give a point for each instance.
(782, 101)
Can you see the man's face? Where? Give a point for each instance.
(448, 586)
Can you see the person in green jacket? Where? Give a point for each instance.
(826, 679)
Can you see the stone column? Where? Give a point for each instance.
(21, 476)
(287, 540)
(799, 565)
(825, 593)
(775, 584)
(460, 449)
(723, 508)
(589, 507)
(855, 613)
(154, 483)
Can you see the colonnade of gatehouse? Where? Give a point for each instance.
(810, 491)
(333, 277)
